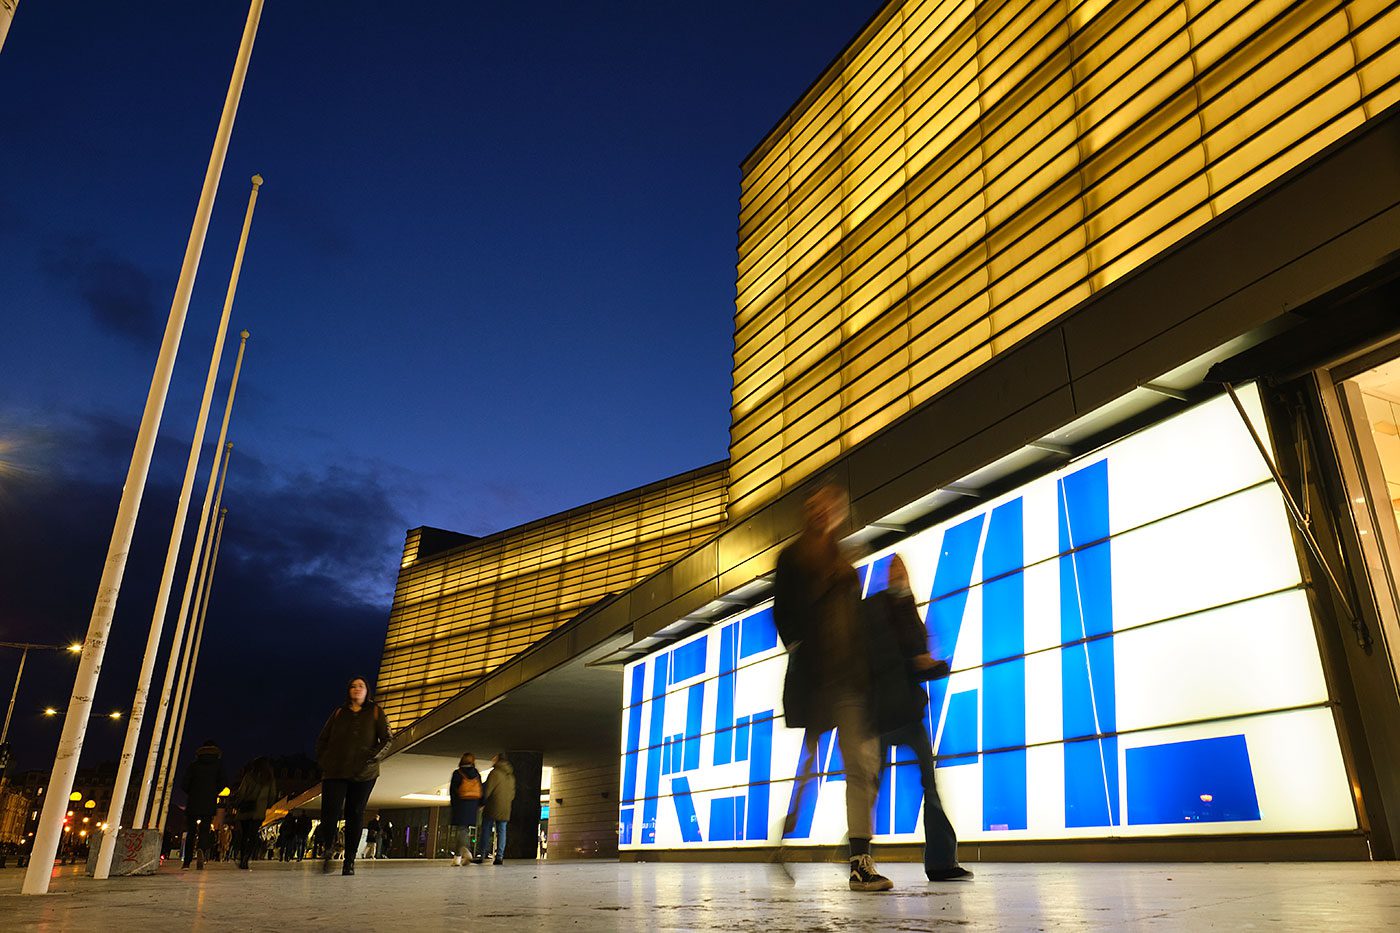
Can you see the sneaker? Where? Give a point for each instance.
(456, 860)
(864, 877)
(956, 873)
(499, 861)
(348, 868)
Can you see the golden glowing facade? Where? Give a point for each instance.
(459, 613)
(968, 171)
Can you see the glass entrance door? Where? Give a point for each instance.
(1369, 431)
(1379, 403)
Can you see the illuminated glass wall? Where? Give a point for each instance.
(1132, 652)
(460, 614)
(967, 171)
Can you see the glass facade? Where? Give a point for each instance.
(1132, 653)
(969, 170)
(461, 613)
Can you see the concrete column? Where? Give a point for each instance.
(583, 807)
(522, 835)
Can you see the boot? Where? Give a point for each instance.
(864, 877)
(349, 867)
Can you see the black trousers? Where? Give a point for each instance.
(940, 840)
(248, 840)
(347, 799)
(199, 836)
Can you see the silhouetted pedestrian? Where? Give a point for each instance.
(372, 829)
(348, 750)
(204, 779)
(301, 828)
(255, 794)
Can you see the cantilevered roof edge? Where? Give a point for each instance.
(717, 467)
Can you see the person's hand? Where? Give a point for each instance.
(924, 662)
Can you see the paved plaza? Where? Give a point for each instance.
(418, 895)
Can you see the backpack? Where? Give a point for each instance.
(468, 788)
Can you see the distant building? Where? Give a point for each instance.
(87, 811)
(16, 803)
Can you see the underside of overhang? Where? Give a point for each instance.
(566, 713)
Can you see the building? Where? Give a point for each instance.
(1093, 309)
(470, 611)
(90, 800)
(465, 606)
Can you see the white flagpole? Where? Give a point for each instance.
(203, 538)
(126, 764)
(70, 744)
(194, 659)
(184, 658)
(7, 13)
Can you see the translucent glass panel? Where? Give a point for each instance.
(1132, 654)
(968, 171)
(457, 616)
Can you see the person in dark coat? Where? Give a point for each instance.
(372, 833)
(817, 610)
(256, 792)
(497, 797)
(900, 663)
(465, 790)
(204, 779)
(349, 748)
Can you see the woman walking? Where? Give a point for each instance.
(348, 750)
(255, 794)
(465, 791)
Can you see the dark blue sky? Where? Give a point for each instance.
(491, 276)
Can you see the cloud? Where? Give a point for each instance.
(300, 597)
(326, 532)
(119, 295)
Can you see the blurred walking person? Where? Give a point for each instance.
(255, 794)
(465, 790)
(284, 838)
(372, 832)
(817, 610)
(497, 796)
(301, 828)
(203, 780)
(349, 748)
(900, 663)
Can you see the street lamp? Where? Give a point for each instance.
(114, 714)
(24, 647)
